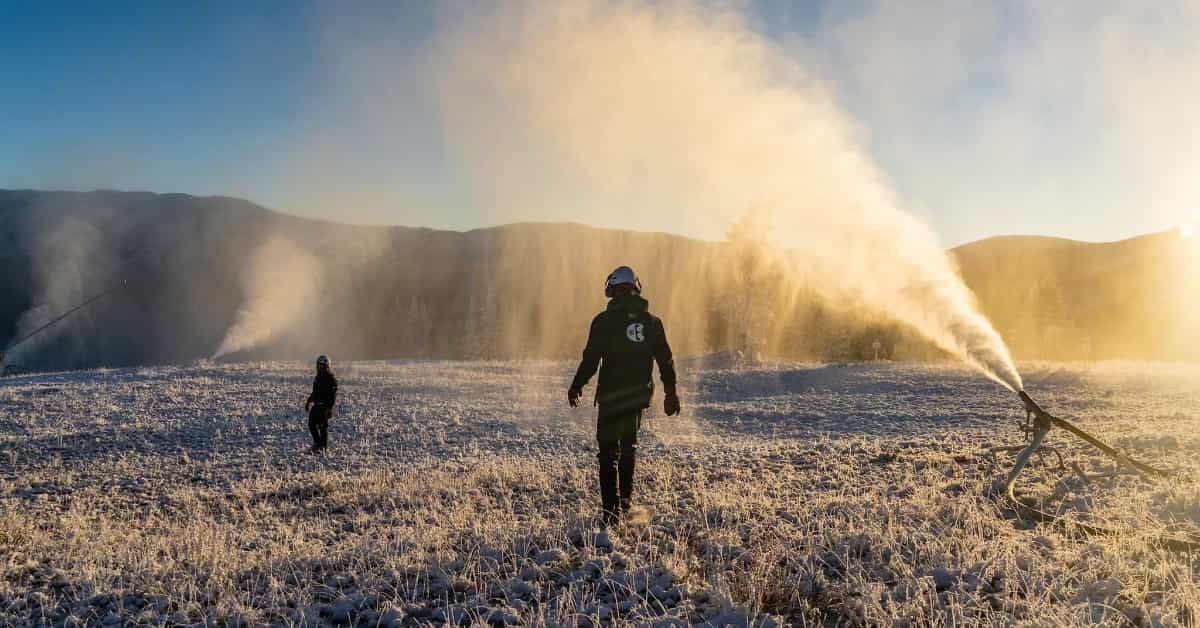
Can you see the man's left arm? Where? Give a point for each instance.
(666, 371)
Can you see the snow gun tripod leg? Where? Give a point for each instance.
(1043, 428)
(1042, 421)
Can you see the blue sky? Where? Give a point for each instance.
(984, 118)
(172, 90)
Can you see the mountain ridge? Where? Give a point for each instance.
(521, 289)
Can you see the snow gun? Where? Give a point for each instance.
(12, 369)
(1036, 427)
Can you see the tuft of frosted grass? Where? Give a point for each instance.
(462, 493)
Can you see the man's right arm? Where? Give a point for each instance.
(592, 353)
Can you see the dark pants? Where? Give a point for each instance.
(318, 426)
(617, 436)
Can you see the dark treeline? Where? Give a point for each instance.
(517, 291)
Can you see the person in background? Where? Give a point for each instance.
(320, 404)
(624, 343)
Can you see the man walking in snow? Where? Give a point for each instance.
(320, 404)
(624, 342)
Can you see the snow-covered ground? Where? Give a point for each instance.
(465, 493)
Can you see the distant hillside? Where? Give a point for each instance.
(526, 290)
(1062, 299)
(179, 266)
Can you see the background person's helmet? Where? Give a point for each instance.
(622, 276)
(323, 360)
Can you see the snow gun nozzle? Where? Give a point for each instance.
(1032, 406)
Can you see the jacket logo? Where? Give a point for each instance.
(636, 332)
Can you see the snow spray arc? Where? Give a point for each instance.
(7, 363)
(722, 119)
(282, 281)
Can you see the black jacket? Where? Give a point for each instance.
(324, 392)
(624, 342)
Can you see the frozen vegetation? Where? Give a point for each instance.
(463, 493)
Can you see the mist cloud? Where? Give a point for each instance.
(676, 116)
(281, 286)
(591, 110)
(72, 263)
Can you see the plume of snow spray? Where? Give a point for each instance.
(282, 282)
(674, 116)
(683, 112)
(71, 262)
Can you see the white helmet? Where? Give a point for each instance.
(323, 360)
(622, 276)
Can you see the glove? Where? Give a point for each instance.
(671, 404)
(573, 396)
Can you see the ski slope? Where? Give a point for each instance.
(464, 492)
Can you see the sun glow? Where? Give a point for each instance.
(1187, 230)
